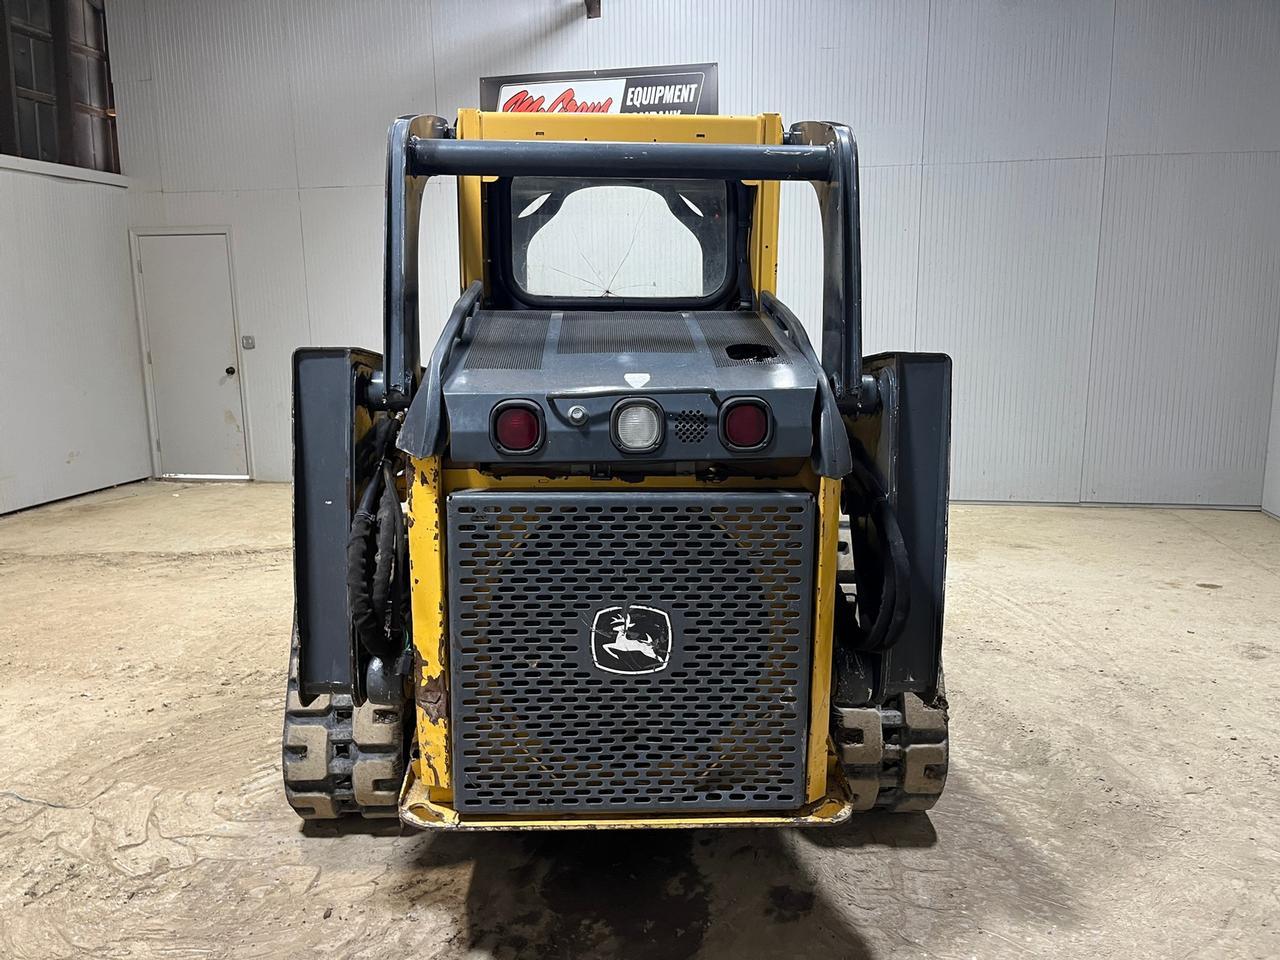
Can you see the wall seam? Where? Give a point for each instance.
(924, 132)
(306, 280)
(1097, 263)
(297, 187)
(435, 75)
(1090, 156)
(156, 93)
(1271, 458)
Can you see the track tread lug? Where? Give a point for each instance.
(894, 757)
(341, 760)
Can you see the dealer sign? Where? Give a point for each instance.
(684, 88)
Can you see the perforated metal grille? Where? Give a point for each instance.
(691, 426)
(626, 331)
(538, 727)
(507, 340)
(731, 338)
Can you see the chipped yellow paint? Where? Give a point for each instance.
(430, 634)
(426, 809)
(823, 637)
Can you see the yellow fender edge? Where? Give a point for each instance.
(418, 809)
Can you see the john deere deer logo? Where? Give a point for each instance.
(631, 639)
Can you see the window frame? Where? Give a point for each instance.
(70, 138)
(500, 266)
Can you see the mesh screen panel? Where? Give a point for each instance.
(624, 332)
(629, 651)
(730, 336)
(507, 340)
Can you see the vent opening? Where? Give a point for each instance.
(751, 352)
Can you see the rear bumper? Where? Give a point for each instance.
(428, 808)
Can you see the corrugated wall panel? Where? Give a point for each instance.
(439, 271)
(224, 116)
(232, 87)
(1008, 253)
(800, 256)
(342, 244)
(1017, 81)
(130, 40)
(890, 199)
(72, 413)
(146, 209)
(1195, 75)
(1271, 483)
(858, 61)
(710, 31)
(476, 38)
(139, 148)
(342, 250)
(890, 251)
(342, 104)
(1185, 331)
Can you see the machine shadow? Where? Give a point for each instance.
(660, 895)
(352, 827)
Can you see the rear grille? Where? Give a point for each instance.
(559, 706)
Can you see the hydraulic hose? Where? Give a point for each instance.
(390, 540)
(374, 547)
(885, 609)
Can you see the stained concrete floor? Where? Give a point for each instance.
(1114, 788)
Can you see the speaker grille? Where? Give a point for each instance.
(691, 426)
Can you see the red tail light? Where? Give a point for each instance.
(517, 427)
(745, 424)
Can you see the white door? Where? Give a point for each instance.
(191, 349)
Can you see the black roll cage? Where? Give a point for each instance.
(824, 154)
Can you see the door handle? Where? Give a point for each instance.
(231, 371)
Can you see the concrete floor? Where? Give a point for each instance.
(1114, 788)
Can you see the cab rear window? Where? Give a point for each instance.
(578, 239)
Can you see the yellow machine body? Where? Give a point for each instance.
(426, 797)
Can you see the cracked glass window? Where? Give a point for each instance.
(654, 239)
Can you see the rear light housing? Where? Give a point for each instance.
(517, 428)
(746, 423)
(637, 425)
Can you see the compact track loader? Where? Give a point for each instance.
(625, 549)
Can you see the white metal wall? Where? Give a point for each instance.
(72, 415)
(1079, 201)
(1271, 489)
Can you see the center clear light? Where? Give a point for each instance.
(638, 426)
